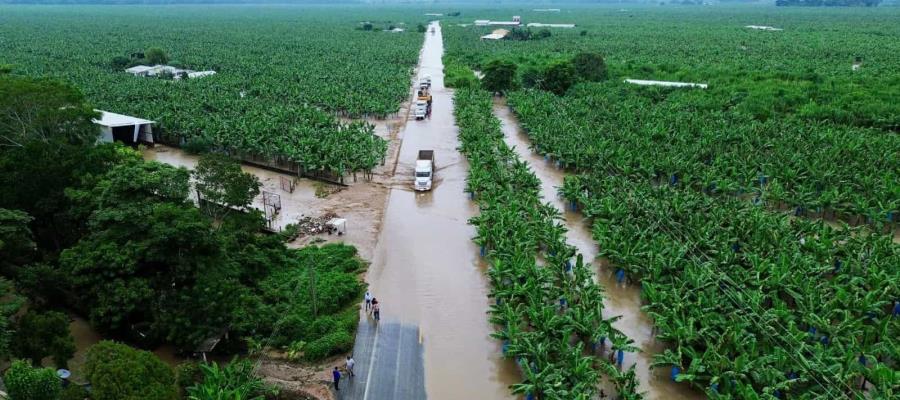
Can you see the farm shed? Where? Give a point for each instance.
(497, 34)
(763, 28)
(665, 83)
(177, 73)
(123, 128)
(516, 21)
(139, 70)
(541, 25)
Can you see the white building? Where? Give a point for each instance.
(516, 21)
(177, 73)
(540, 25)
(665, 83)
(497, 34)
(763, 28)
(123, 128)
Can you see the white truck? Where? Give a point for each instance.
(421, 109)
(424, 170)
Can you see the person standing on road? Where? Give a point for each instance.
(350, 363)
(337, 378)
(368, 301)
(376, 310)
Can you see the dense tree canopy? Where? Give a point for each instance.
(42, 334)
(119, 372)
(499, 76)
(23, 382)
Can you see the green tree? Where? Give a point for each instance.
(26, 383)
(421, 28)
(119, 62)
(156, 55)
(119, 372)
(590, 66)
(499, 76)
(43, 110)
(10, 304)
(42, 334)
(16, 246)
(44, 120)
(150, 260)
(559, 77)
(223, 186)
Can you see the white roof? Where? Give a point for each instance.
(115, 120)
(539, 25)
(493, 36)
(665, 83)
(764, 28)
(138, 69)
(200, 74)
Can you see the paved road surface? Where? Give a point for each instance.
(389, 363)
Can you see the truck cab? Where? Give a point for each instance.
(424, 170)
(421, 109)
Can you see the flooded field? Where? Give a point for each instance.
(620, 299)
(427, 271)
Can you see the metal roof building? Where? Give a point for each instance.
(124, 128)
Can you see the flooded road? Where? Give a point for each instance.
(426, 270)
(620, 300)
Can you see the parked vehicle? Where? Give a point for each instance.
(424, 170)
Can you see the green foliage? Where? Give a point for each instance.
(187, 373)
(16, 245)
(44, 120)
(235, 381)
(42, 334)
(44, 111)
(74, 392)
(316, 294)
(330, 344)
(515, 227)
(198, 145)
(119, 372)
(156, 55)
(590, 66)
(26, 383)
(499, 76)
(421, 28)
(119, 62)
(295, 75)
(457, 75)
(10, 304)
(223, 186)
(559, 77)
(125, 269)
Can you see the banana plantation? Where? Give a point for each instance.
(548, 310)
(282, 74)
(756, 217)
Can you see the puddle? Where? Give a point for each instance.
(620, 300)
(426, 269)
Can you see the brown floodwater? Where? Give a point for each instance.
(620, 299)
(426, 269)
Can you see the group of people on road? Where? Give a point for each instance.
(372, 306)
(348, 368)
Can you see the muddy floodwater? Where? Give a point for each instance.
(620, 300)
(426, 269)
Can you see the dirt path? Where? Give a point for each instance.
(620, 300)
